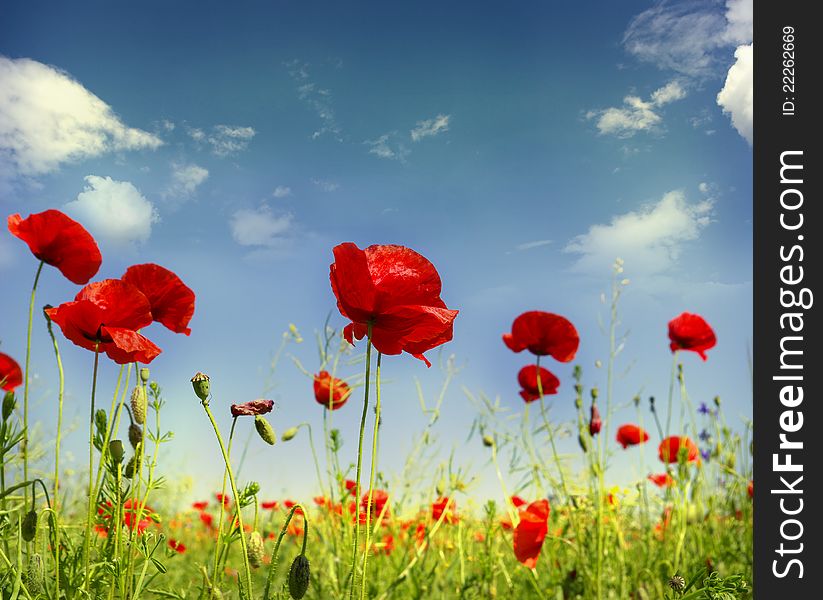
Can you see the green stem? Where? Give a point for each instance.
(276, 551)
(217, 546)
(371, 476)
(24, 446)
(90, 513)
(60, 393)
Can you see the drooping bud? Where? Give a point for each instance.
(28, 527)
(116, 451)
(34, 575)
(8, 405)
(255, 549)
(138, 405)
(583, 440)
(289, 434)
(299, 575)
(595, 423)
(131, 467)
(488, 441)
(717, 401)
(135, 435)
(202, 386)
(101, 421)
(265, 430)
(144, 375)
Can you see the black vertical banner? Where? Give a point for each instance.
(788, 407)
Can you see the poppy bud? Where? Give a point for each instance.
(135, 435)
(201, 385)
(34, 575)
(100, 421)
(138, 405)
(440, 488)
(255, 549)
(116, 451)
(8, 405)
(598, 363)
(28, 527)
(595, 423)
(144, 375)
(595, 393)
(252, 487)
(578, 403)
(131, 467)
(299, 574)
(264, 430)
(717, 401)
(488, 441)
(289, 434)
(636, 400)
(583, 441)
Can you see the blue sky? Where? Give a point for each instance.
(521, 149)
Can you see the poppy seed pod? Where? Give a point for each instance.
(116, 451)
(289, 434)
(202, 386)
(135, 435)
(255, 549)
(138, 405)
(299, 575)
(144, 375)
(28, 527)
(265, 430)
(8, 405)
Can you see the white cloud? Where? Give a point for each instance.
(317, 98)
(430, 127)
(261, 227)
(637, 114)
(703, 187)
(47, 118)
(650, 240)
(534, 244)
(281, 191)
(386, 147)
(737, 95)
(326, 186)
(114, 211)
(185, 179)
(740, 17)
(224, 140)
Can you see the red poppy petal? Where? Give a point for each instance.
(79, 321)
(11, 375)
(352, 283)
(545, 333)
(252, 408)
(691, 332)
(402, 276)
(513, 344)
(171, 301)
(530, 532)
(128, 346)
(123, 305)
(60, 241)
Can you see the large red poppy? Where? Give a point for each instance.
(691, 332)
(172, 302)
(379, 499)
(397, 291)
(330, 391)
(670, 447)
(543, 334)
(527, 378)
(447, 505)
(110, 311)
(531, 531)
(631, 435)
(10, 374)
(60, 242)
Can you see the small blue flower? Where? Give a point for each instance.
(704, 410)
(704, 435)
(706, 454)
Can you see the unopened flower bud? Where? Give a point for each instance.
(598, 363)
(8, 405)
(144, 375)
(595, 423)
(289, 434)
(34, 575)
(488, 441)
(583, 441)
(255, 549)
(135, 435)
(28, 527)
(636, 400)
(717, 401)
(299, 575)
(202, 387)
(116, 451)
(101, 421)
(131, 467)
(252, 487)
(595, 393)
(265, 430)
(138, 405)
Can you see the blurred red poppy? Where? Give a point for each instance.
(631, 435)
(543, 334)
(518, 501)
(130, 511)
(200, 505)
(595, 422)
(395, 289)
(207, 519)
(177, 546)
(10, 373)
(320, 500)
(446, 505)
(289, 503)
(269, 504)
(691, 332)
(351, 487)
(527, 378)
(252, 408)
(172, 302)
(330, 391)
(530, 532)
(662, 480)
(386, 546)
(670, 447)
(379, 499)
(110, 311)
(750, 489)
(59, 241)
(223, 499)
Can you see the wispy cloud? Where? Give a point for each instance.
(281, 191)
(264, 231)
(531, 245)
(430, 127)
(326, 186)
(319, 99)
(185, 179)
(389, 147)
(637, 115)
(737, 96)
(223, 140)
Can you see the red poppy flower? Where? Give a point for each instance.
(320, 500)
(200, 505)
(172, 302)
(177, 546)
(289, 503)
(518, 501)
(750, 489)
(207, 519)
(269, 504)
(330, 391)
(670, 447)
(110, 311)
(252, 408)
(420, 533)
(379, 499)
(691, 332)
(543, 334)
(130, 510)
(396, 290)
(530, 532)
(595, 423)
(527, 378)
(351, 486)
(662, 480)
(386, 546)
(60, 242)
(223, 499)
(631, 435)
(446, 505)
(10, 374)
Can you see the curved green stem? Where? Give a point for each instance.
(24, 446)
(371, 476)
(276, 551)
(90, 513)
(218, 543)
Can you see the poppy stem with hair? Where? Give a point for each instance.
(353, 573)
(24, 445)
(90, 513)
(371, 475)
(249, 593)
(218, 543)
(56, 505)
(276, 551)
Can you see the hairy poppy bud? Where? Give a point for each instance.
(28, 527)
(135, 435)
(595, 423)
(255, 549)
(488, 441)
(717, 401)
(583, 441)
(8, 405)
(34, 575)
(116, 450)
(101, 421)
(299, 574)
(138, 405)
(289, 434)
(131, 467)
(264, 430)
(144, 375)
(202, 386)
